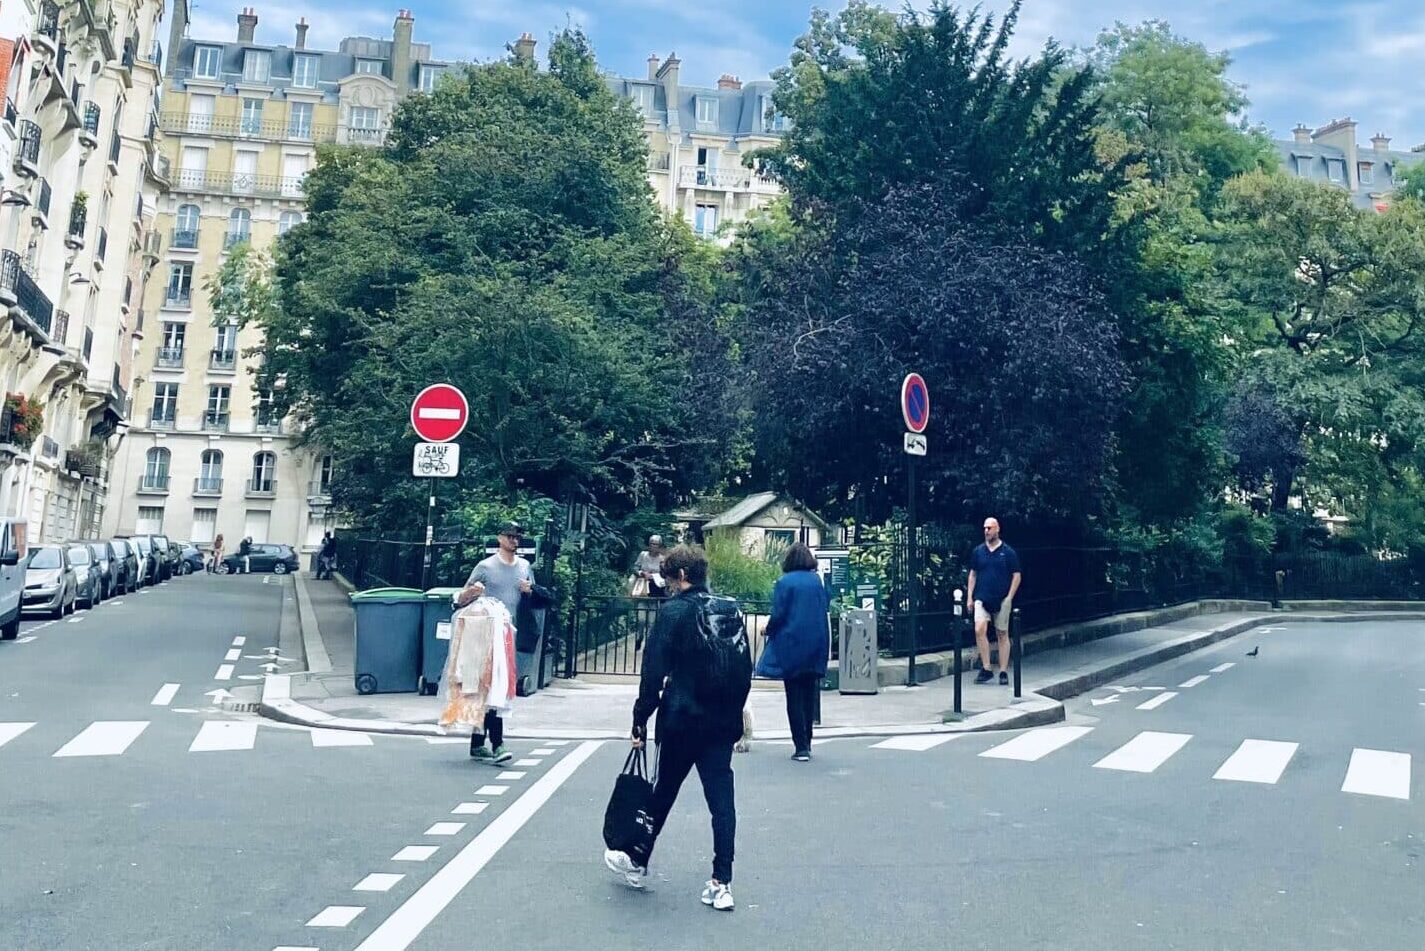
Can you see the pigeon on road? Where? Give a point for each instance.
(1253, 651)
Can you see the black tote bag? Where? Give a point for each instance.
(627, 825)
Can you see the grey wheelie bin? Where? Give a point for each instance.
(388, 639)
(439, 606)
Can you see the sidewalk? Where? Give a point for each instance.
(586, 708)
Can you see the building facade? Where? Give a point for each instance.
(79, 185)
(241, 121)
(1331, 155)
(697, 139)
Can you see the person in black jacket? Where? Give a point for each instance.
(694, 729)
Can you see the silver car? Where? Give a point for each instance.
(49, 581)
(88, 575)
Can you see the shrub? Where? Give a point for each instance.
(733, 572)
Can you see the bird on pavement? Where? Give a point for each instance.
(1253, 651)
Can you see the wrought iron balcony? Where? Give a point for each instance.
(184, 240)
(12, 115)
(208, 485)
(89, 132)
(236, 183)
(49, 449)
(215, 422)
(160, 420)
(46, 32)
(60, 334)
(223, 360)
(299, 129)
(169, 357)
(114, 144)
(19, 291)
(78, 219)
(27, 149)
(181, 297)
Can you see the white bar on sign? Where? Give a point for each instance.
(1257, 761)
(435, 412)
(1192, 681)
(915, 744)
(1157, 701)
(1378, 773)
(1145, 752)
(1037, 744)
(104, 738)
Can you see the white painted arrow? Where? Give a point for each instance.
(1099, 703)
(270, 668)
(249, 676)
(218, 695)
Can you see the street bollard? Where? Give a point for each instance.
(959, 613)
(1016, 649)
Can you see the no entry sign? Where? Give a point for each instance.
(915, 403)
(439, 413)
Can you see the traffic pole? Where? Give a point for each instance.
(958, 632)
(1016, 649)
(912, 561)
(430, 533)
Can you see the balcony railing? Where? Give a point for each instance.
(169, 357)
(734, 179)
(360, 136)
(129, 53)
(61, 58)
(237, 127)
(27, 149)
(49, 448)
(128, 292)
(91, 118)
(42, 205)
(78, 218)
(221, 359)
(262, 486)
(272, 426)
(160, 420)
(60, 334)
(178, 297)
(74, 93)
(154, 482)
(317, 489)
(155, 55)
(184, 240)
(208, 485)
(234, 238)
(237, 183)
(215, 422)
(47, 25)
(16, 285)
(12, 114)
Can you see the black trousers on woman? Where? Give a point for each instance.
(801, 708)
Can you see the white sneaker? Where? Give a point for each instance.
(621, 865)
(717, 895)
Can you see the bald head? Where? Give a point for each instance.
(991, 530)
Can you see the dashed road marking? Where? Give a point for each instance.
(377, 882)
(528, 762)
(1157, 701)
(445, 828)
(1221, 667)
(415, 853)
(218, 736)
(492, 790)
(1378, 773)
(225, 672)
(469, 809)
(1037, 744)
(917, 744)
(339, 738)
(510, 775)
(164, 696)
(1192, 681)
(8, 731)
(239, 641)
(336, 916)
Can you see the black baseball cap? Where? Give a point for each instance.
(509, 528)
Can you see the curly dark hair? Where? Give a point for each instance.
(690, 560)
(798, 558)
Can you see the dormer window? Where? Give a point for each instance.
(256, 66)
(643, 99)
(304, 71)
(1366, 172)
(707, 110)
(1303, 166)
(206, 62)
(1336, 170)
(369, 67)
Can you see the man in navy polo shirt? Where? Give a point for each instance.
(994, 579)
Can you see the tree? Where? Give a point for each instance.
(505, 241)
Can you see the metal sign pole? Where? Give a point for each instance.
(430, 532)
(912, 561)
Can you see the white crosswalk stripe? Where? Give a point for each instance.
(918, 744)
(1193, 681)
(1145, 752)
(8, 731)
(104, 738)
(223, 736)
(339, 738)
(1221, 667)
(1037, 744)
(1157, 701)
(1257, 761)
(1378, 773)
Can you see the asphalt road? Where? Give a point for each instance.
(1129, 827)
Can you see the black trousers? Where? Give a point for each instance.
(801, 708)
(493, 726)
(676, 758)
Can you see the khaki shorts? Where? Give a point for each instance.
(1001, 616)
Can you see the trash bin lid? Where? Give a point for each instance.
(388, 595)
(442, 594)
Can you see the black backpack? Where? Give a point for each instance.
(722, 654)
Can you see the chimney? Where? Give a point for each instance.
(668, 76)
(524, 48)
(1302, 134)
(302, 34)
(247, 25)
(177, 29)
(401, 51)
(652, 65)
(729, 82)
(1381, 142)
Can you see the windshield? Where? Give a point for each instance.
(45, 558)
(79, 556)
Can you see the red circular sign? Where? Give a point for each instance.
(915, 403)
(439, 413)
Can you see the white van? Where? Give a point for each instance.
(13, 548)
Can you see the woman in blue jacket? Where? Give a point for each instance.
(797, 642)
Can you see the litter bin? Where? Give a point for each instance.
(858, 654)
(388, 639)
(439, 606)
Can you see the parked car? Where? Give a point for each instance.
(278, 559)
(147, 558)
(49, 581)
(104, 562)
(191, 559)
(87, 580)
(12, 575)
(126, 557)
(166, 555)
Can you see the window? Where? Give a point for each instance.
(370, 67)
(264, 471)
(256, 525)
(206, 61)
(705, 220)
(1366, 172)
(365, 117)
(252, 117)
(1303, 166)
(239, 226)
(180, 285)
(244, 172)
(185, 232)
(1336, 170)
(219, 397)
(324, 475)
(304, 72)
(707, 110)
(225, 344)
(772, 120)
(256, 66)
(174, 334)
(264, 409)
(299, 121)
(155, 470)
(288, 221)
(205, 526)
(643, 99)
(294, 170)
(165, 402)
(427, 78)
(150, 520)
(200, 114)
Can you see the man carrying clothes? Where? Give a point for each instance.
(699, 720)
(509, 579)
(994, 579)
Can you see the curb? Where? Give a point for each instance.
(312, 646)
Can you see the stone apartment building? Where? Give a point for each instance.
(1332, 155)
(78, 188)
(241, 121)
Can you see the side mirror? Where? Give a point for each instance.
(10, 558)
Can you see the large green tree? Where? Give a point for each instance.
(504, 240)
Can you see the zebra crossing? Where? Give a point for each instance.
(111, 738)
(1384, 774)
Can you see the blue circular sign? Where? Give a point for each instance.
(915, 403)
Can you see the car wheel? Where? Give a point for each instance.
(12, 630)
(222, 568)
(280, 568)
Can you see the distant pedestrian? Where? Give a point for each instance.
(649, 569)
(696, 677)
(509, 579)
(798, 641)
(994, 581)
(245, 553)
(326, 556)
(217, 556)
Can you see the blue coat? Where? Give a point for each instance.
(797, 634)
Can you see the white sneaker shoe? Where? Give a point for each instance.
(717, 895)
(621, 865)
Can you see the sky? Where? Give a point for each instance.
(1300, 61)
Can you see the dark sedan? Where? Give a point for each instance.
(278, 559)
(190, 560)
